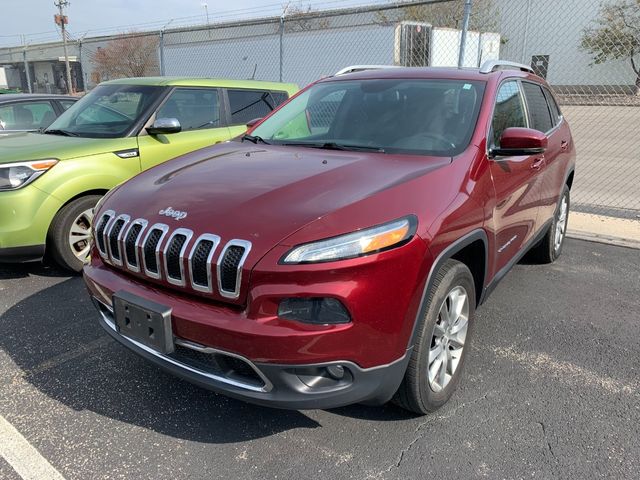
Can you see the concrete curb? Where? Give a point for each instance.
(603, 229)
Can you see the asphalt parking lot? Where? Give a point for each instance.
(551, 390)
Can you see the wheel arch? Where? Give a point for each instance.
(96, 191)
(465, 249)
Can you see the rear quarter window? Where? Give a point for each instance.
(245, 105)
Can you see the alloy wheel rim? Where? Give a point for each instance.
(561, 224)
(80, 234)
(447, 340)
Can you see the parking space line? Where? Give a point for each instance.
(22, 456)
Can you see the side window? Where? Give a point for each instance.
(66, 104)
(27, 116)
(538, 108)
(509, 111)
(7, 119)
(553, 106)
(195, 108)
(42, 114)
(245, 105)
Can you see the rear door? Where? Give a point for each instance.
(516, 179)
(200, 113)
(245, 105)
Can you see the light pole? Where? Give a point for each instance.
(206, 10)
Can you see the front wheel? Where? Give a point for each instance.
(70, 232)
(443, 337)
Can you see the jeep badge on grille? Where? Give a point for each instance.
(175, 214)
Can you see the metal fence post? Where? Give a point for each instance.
(282, 41)
(465, 28)
(162, 53)
(26, 69)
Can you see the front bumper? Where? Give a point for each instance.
(24, 221)
(276, 385)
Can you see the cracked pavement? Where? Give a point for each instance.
(550, 390)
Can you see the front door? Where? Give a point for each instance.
(517, 180)
(199, 113)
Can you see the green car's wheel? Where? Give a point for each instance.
(70, 232)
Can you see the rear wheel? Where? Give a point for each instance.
(439, 351)
(550, 247)
(70, 232)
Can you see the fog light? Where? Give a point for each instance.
(319, 311)
(336, 371)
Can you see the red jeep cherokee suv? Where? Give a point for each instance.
(337, 253)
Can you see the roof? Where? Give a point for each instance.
(9, 97)
(202, 82)
(451, 73)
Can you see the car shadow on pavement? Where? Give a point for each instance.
(10, 271)
(54, 337)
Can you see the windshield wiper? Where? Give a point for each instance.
(64, 133)
(337, 146)
(254, 138)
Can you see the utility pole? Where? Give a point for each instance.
(463, 34)
(62, 21)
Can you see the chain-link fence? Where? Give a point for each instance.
(584, 48)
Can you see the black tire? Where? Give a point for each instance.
(547, 251)
(416, 393)
(58, 238)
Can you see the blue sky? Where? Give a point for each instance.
(34, 18)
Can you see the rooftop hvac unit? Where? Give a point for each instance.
(412, 44)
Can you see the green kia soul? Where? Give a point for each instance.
(50, 181)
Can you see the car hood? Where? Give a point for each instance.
(260, 193)
(17, 147)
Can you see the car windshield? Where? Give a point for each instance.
(412, 116)
(109, 111)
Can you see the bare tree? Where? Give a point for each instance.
(129, 56)
(615, 35)
(299, 19)
(484, 15)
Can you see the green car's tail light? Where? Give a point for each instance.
(17, 175)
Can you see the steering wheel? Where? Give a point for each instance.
(410, 142)
(439, 138)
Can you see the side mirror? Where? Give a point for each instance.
(164, 125)
(516, 141)
(254, 122)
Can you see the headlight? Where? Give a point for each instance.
(356, 244)
(17, 175)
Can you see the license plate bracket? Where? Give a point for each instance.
(144, 321)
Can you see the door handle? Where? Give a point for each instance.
(537, 164)
(564, 145)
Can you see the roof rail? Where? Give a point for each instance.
(360, 68)
(492, 65)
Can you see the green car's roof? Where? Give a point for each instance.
(203, 82)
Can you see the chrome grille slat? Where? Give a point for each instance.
(176, 237)
(215, 241)
(101, 228)
(113, 236)
(163, 229)
(225, 290)
(135, 264)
